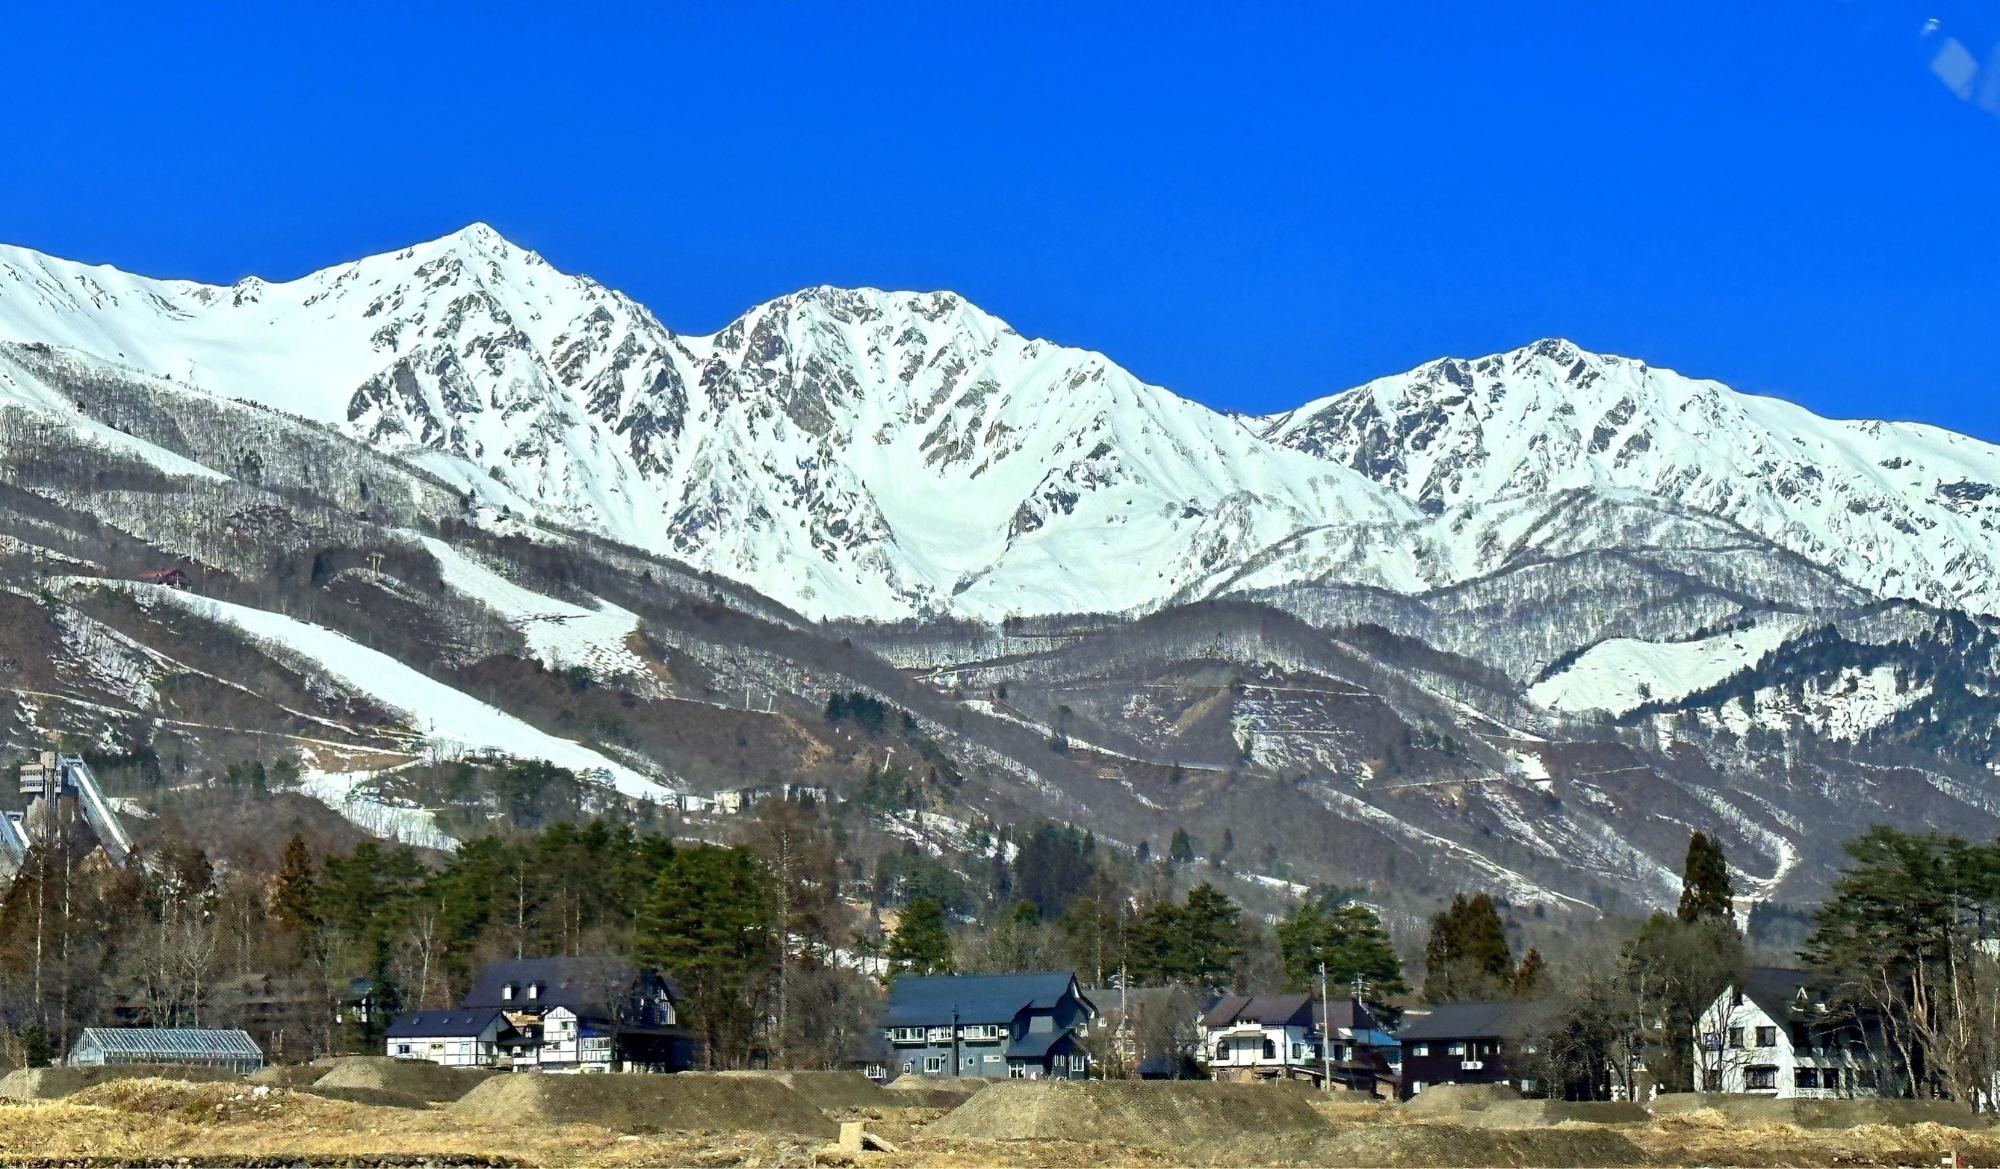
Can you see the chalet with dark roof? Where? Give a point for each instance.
(989, 1026)
(555, 1015)
(1468, 1043)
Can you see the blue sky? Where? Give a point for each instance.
(1250, 208)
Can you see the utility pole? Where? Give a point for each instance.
(1325, 1033)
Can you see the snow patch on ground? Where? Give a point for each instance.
(1623, 673)
(559, 634)
(348, 794)
(449, 718)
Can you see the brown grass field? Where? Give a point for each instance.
(147, 1121)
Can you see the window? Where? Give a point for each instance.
(909, 1065)
(1017, 1071)
(534, 990)
(507, 993)
(1528, 1086)
(1809, 1078)
(1079, 1062)
(1736, 1037)
(402, 1049)
(1221, 1052)
(1760, 1079)
(1270, 1048)
(1454, 1049)
(1419, 1050)
(1767, 1037)
(933, 1065)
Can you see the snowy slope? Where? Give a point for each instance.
(849, 452)
(1621, 674)
(558, 633)
(859, 453)
(448, 717)
(1900, 509)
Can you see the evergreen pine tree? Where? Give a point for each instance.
(1181, 849)
(1705, 890)
(293, 889)
(1467, 957)
(922, 943)
(1528, 976)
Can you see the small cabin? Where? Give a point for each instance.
(173, 578)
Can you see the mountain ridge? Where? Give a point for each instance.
(862, 453)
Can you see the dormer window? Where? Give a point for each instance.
(534, 990)
(507, 993)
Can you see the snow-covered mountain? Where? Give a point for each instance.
(851, 452)
(1519, 623)
(1903, 510)
(856, 453)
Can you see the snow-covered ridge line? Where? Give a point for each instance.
(860, 453)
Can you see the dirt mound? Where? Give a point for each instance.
(952, 1084)
(291, 1075)
(415, 1079)
(1454, 1145)
(1459, 1098)
(831, 1090)
(1542, 1113)
(1164, 1113)
(56, 1083)
(1817, 1113)
(235, 1103)
(646, 1103)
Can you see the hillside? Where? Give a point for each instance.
(1519, 623)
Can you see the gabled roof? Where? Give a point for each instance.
(170, 1043)
(1349, 1014)
(1036, 1044)
(590, 986)
(440, 1024)
(1491, 1020)
(974, 998)
(1777, 990)
(1276, 1010)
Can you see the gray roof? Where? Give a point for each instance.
(590, 986)
(443, 1024)
(973, 998)
(1777, 989)
(1294, 1010)
(1036, 1044)
(1491, 1020)
(170, 1043)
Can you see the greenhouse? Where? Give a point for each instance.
(110, 1046)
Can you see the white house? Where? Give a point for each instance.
(458, 1039)
(1778, 1035)
(1287, 1037)
(1261, 1037)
